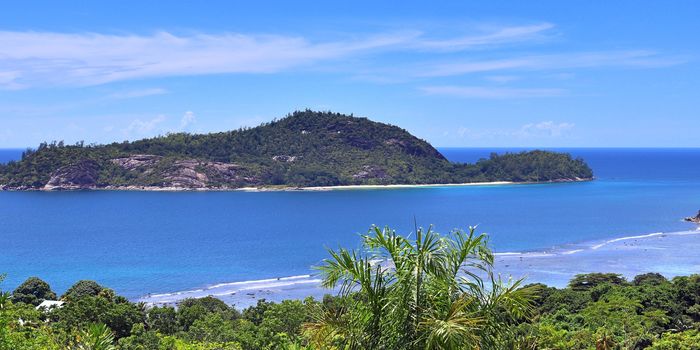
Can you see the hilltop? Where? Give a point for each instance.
(306, 148)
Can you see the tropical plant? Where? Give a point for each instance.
(430, 292)
(96, 337)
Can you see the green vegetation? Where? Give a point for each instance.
(305, 148)
(430, 292)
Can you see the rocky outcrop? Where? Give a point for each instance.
(137, 161)
(81, 175)
(370, 172)
(284, 158)
(192, 173)
(695, 219)
(186, 173)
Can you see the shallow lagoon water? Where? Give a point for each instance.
(142, 243)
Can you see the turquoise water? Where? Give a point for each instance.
(154, 242)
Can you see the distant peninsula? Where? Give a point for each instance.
(304, 149)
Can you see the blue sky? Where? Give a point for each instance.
(489, 73)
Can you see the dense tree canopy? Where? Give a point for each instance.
(33, 291)
(81, 289)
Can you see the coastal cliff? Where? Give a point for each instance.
(304, 149)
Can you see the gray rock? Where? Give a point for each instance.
(284, 158)
(81, 175)
(695, 219)
(137, 161)
(370, 172)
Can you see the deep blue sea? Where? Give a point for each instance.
(152, 242)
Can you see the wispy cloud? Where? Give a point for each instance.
(137, 93)
(547, 128)
(637, 58)
(497, 36)
(490, 92)
(37, 58)
(187, 119)
(140, 127)
(539, 130)
(29, 59)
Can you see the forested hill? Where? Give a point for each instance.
(306, 148)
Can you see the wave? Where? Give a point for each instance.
(267, 285)
(267, 280)
(597, 246)
(305, 285)
(569, 249)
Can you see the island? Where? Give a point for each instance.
(305, 149)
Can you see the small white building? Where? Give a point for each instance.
(50, 304)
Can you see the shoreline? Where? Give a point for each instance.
(286, 188)
(628, 255)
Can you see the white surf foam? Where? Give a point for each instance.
(268, 285)
(598, 246)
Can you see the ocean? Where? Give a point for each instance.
(146, 243)
(9, 154)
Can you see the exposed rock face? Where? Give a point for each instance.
(186, 173)
(370, 172)
(695, 219)
(284, 158)
(137, 161)
(81, 175)
(396, 142)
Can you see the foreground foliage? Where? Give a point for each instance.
(430, 291)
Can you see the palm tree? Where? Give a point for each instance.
(429, 292)
(96, 337)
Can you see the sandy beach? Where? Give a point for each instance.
(382, 187)
(282, 188)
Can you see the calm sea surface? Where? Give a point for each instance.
(152, 242)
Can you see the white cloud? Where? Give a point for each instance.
(87, 59)
(138, 93)
(187, 119)
(497, 36)
(144, 127)
(540, 130)
(547, 128)
(490, 92)
(639, 59)
(29, 59)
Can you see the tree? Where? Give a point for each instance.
(429, 292)
(119, 315)
(163, 320)
(588, 281)
(33, 291)
(651, 278)
(82, 288)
